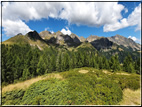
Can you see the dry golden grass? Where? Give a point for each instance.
(83, 71)
(8, 43)
(131, 97)
(107, 72)
(122, 74)
(27, 83)
(53, 75)
(120, 49)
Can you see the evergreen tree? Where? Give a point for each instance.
(128, 65)
(137, 66)
(58, 63)
(26, 74)
(41, 66)
(114, 63)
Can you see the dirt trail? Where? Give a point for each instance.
(83, 71)
(131, 97)
(122, 74)
(27, 83)
(109, 73)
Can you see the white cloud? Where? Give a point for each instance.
(14, 27)
(135, 39)
(125, 10)
(47, 28)
(66, 31)
(52, 31)
(107, 14)
(133, 19)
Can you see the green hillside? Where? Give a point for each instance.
(18, 39)
(23, 40)
(36, 71)
(80, 86)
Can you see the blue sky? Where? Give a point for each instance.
(83, 19)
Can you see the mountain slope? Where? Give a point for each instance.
(32, 38)
(45, 38)
(126, 42)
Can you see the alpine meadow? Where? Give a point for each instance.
(55, 66)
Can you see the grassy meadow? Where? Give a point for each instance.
(79, 86)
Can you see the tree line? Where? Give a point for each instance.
(22, 62)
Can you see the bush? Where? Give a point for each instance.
(92, 88)
(76, 89)
(13, 97)
(127, 81)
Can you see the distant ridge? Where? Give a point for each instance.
(59, 39)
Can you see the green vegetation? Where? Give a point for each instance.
(22, 62)
(12, 97)
(91, 88)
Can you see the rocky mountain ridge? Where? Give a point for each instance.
(59, 39)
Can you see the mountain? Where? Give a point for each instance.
(45, 35)
(75, 38)
(32, 38)
(44, 39)
(125, 42)
(101, 43)
(82, 39)
(60, 39)
(92, 38)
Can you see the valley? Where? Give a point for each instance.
(57, 69)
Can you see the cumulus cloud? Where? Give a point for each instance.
(15, 27)
(134, 39)
(133, 19)
(107, 14)
(66, 31)
(52, 31)
(47, 28)
(125, 10)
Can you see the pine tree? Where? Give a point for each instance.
(41, 67)
(137, 66)
(128, 65)
(114, 63)
(58, 62)
(26, 74)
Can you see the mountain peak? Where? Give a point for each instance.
(19, 34)
(45, 34)
(33, 35)
(75, 38)
(92, 38)
(126, 42)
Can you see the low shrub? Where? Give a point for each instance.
(12, 97)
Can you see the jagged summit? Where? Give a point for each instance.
(59, 39)
(33, 35)
(45, 34)
(126, 42)
(92, 38)
(58, 33)
(75, 38)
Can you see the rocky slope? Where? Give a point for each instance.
(126, 42)
(46, 38)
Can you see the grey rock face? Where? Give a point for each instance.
(92, 38)
(126, 42)
(102, 43)
(82, 39)
(19, 34)
(33, 35)
(75, 38)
